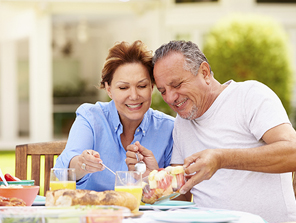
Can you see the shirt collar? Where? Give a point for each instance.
(143, 127)
(115, 120)
(116, 124)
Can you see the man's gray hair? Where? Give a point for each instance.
(193, 55)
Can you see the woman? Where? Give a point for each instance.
(103, 132)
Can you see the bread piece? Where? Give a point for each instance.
(4, 201)
(66, 197)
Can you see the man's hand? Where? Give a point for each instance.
(200, 166)
(144, 155)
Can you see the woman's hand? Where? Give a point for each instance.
(88, 161)
(144, 155)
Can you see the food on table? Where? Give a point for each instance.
(163, 182)
(105, 216)
(9, 177)
(67, 197)
(73, 214)
(12, 186)
(4, 201)
(178, 177)
(26, 193)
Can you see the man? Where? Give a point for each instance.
(234, 139)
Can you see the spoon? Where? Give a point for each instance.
(140, 165)
(3, 178)
(108, 168)
(103, 165)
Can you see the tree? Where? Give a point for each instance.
(251, 47)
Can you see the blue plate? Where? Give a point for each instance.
(22, 182)
(168, 204)
(39, 201)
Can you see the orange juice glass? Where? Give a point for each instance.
(131, 182)
(56, 185)
(62, 178)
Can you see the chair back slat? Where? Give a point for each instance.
(45, 148)
(21, 161)
(37, 150)
(48, 165)
(35, 168)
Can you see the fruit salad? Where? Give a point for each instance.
(163, 182)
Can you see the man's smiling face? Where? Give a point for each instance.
(185, 93)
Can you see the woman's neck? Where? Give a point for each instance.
(127, 135)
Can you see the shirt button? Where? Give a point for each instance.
(115, 128)
(138, 130)
(143, 131)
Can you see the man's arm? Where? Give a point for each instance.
(277, 156)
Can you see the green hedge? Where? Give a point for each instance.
(159, 104)
(251, 47)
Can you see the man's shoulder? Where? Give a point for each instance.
(252, 87)
(251, 84)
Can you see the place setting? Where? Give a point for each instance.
(134, 199)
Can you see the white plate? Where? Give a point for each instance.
(198, 216)
(167, 205)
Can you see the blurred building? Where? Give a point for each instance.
(52, 51)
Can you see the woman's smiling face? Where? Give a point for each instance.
(131, 91)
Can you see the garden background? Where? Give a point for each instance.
(238, 47)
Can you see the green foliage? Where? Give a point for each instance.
(159, 104)
(251, 47)
(7, 162)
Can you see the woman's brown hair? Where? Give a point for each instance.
(123, 53)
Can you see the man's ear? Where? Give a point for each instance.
(205, 70)
(108, 89)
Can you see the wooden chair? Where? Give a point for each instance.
(36, 150)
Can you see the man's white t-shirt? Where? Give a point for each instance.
(238, 118)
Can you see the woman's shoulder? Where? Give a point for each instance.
(98, 107)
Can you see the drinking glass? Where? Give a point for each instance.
(62, 178)
(131, 182)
